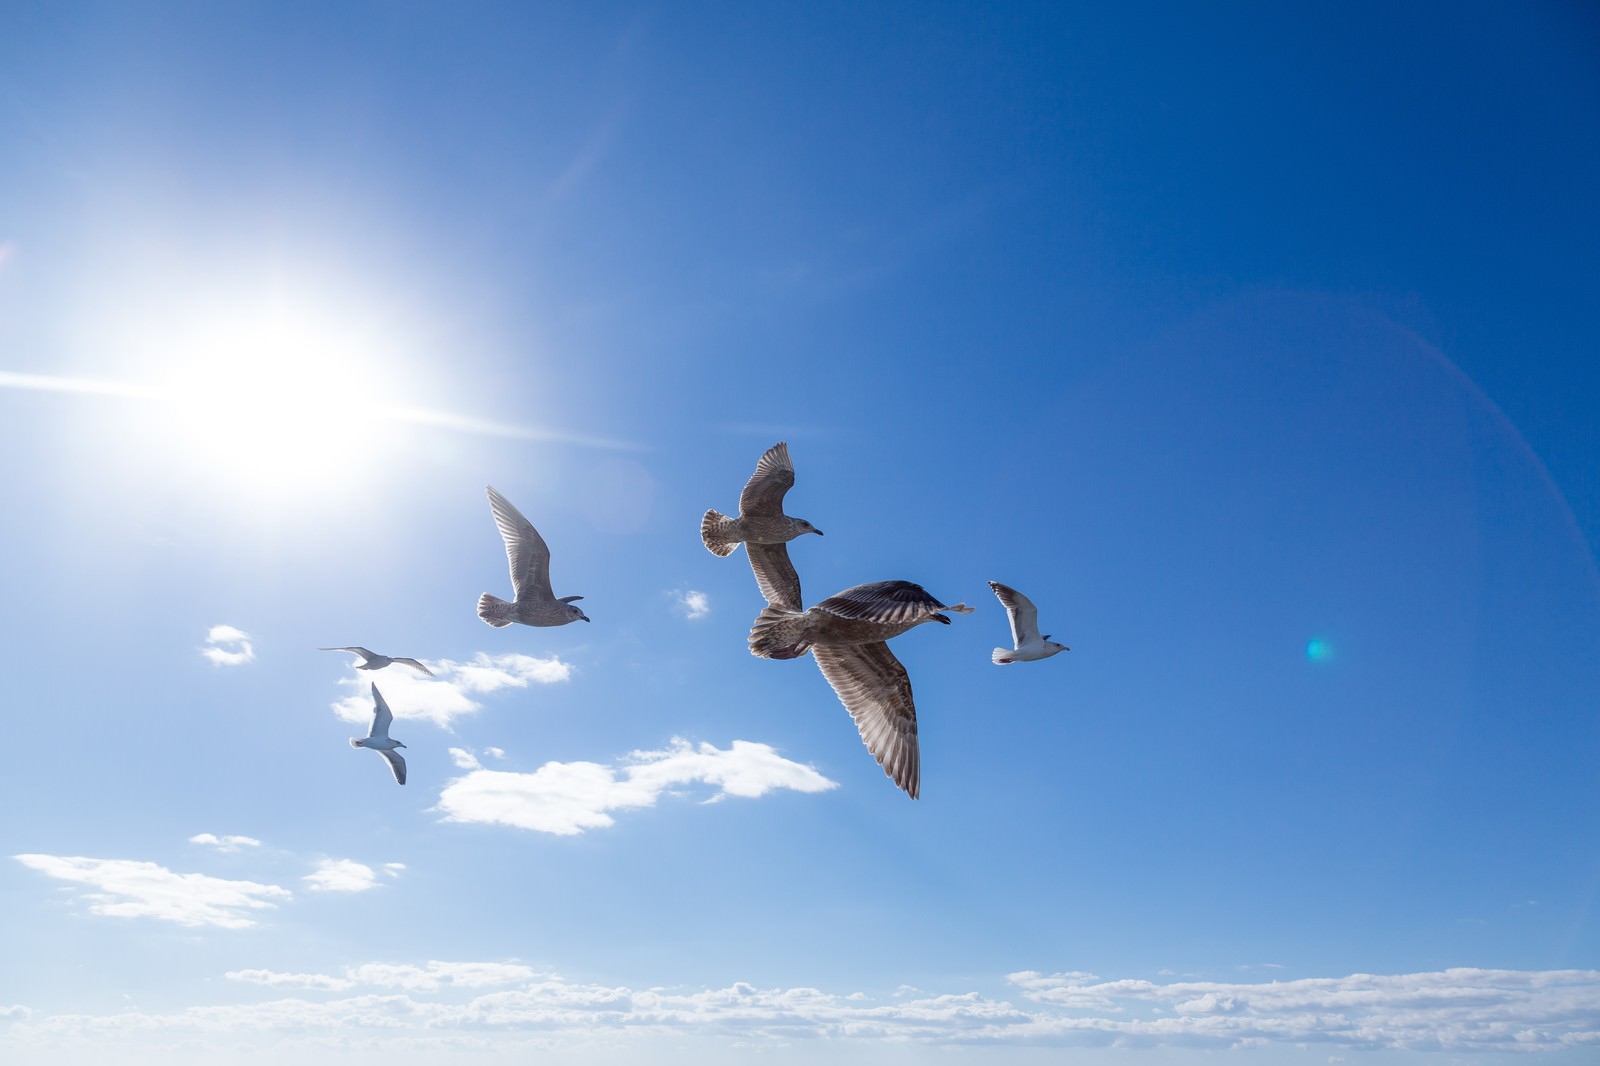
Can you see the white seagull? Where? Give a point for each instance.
(371, 660)
(377, 738)
(1029, 645)
(535, 604)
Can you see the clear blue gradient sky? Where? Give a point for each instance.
(1261, 348)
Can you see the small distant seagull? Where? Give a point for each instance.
(371, 660)
(848, 635)
(535, 605)
(377, 738)
(1024, 629)
(763, 528)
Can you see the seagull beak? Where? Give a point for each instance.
(818, 532)
(584, 617)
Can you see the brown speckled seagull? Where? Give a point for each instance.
(848, 635)
(763, 528)
(535, 604)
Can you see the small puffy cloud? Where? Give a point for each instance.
(227, 646)
(693, 603)
(495, 753)
(126, 888)
(227, 843)
(464, 759)
(341, 875)
(568, 798)
(449, 694)
(393, 869)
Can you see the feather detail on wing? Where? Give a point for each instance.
(874, 688)
(397, 763)
(889, 602)
(382, 717)
(763, 493)
(526, 551)
(1023, 614)
(775, 574)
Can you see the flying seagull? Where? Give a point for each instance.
(530, 575)
(377, 738)
(1029, 645)
(371, 660)
(848, 635)
(763, 528)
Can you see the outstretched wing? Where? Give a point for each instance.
(413, 662)
(1023, 614)
(775, 574)
(382, 717)
(889, 602)
(397, 763)
(874, 688)
(366, 656)
(525, 550)
(763, 493)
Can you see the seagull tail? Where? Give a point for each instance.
(779, 633)
(494, 610)
(1003, 656)
(714, 529)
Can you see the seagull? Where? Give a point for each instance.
(1024, 629)
(371, 660)
(530, 575)
(848, 635)
(377, 738)
(763, 527)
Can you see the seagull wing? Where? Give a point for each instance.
(382, 716)
(366, 656)
(525, 549)
(889, 602)
(763, 493)
(1023, 614)
(413, 662)
(874, 688)
(397, 763)
(775, 574)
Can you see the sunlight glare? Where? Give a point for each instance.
(282, 399)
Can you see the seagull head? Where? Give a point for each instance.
(807, 527)
(575, 613)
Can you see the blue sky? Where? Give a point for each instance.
(1257, 347)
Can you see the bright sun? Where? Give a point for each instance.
(279, 399)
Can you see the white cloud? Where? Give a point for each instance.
(393, 869)
(500, 1003)
(228, 646)
(341, 875)
(447, 695)
(464, 759)
(568, 798)
(126, 888)
(693, 603)
(495, 753)
(227, 843)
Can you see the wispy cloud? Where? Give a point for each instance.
(449, 694)
(429, 977)
(414, 415)
(341, 875)
(568, 798)
(225, 843)
(443, 1005)
(693, 603)
(127, 888)
(227, 646)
